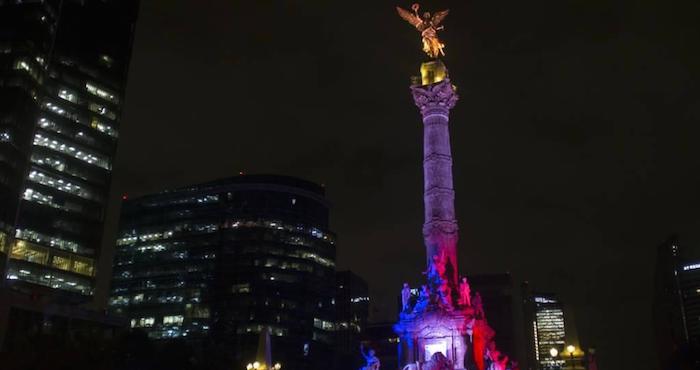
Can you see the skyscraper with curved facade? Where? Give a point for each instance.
(222, 260)
(63, 74)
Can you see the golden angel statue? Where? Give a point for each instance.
(428, 26)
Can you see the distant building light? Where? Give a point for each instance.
(544, 300)
(694, 266)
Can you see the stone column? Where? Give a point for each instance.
(440, 228)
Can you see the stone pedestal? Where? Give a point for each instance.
(424, 334)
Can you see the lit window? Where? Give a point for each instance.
(68, 95)
(83, 266)
(103, 127)
(241, 288)
(62, 263)
(170, 320)
(119, 301)
(102, 110)
(30, 252)
(323, 324)
(144, 322)
(101, 92)
(82, 154)
(51, 241)
(5, 137)
(106, 60)
(66, 186)
(24, 65)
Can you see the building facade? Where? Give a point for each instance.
(223, 260)
(545, 330)
(63, 68)
(676, 305)
(351, 312)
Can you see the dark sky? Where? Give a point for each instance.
(574, 141)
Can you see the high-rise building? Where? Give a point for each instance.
(544, 326)
(352, 310)
(63, 68)
(224, 260)
(677, 305)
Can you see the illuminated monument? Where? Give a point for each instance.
(445, 326)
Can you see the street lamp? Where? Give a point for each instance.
(258, 366)
(553, 352)
(571, 349)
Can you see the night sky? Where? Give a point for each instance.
(574, 140)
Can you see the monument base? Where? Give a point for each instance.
(436, 330)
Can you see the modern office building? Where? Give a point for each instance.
(545, 330)
(352, 310)
(676, 305)
(223, 260)
(63, 68)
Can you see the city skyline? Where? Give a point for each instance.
(573, 160)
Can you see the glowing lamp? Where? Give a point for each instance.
(249, 367)
(571, 349)
(552, 352)
(256, 365)
(278, 366)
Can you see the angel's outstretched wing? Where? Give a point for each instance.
(409, 17)
(439, 16)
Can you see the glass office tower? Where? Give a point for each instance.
(63, 68)
(221, 261)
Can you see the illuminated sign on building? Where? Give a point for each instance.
(694, 266)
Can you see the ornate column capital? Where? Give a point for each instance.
(440, 97)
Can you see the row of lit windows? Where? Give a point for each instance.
(83, 155)
(323, 324)
(101, 92)
(95, 123)
(49, 278)
(257, 328)
(147, 322)
(27, 66)
(51, 241)
(353, 326)
(161, 271)
(139, 299)
(283, 265)
(285, 278)
(72, 97)
(297, 253)
(93, 89)
(23, 250)
(65, 186)
(35, 196)
(203, 199)
(133, 237)
(83, 136)
(122, 259)
(59, 164)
